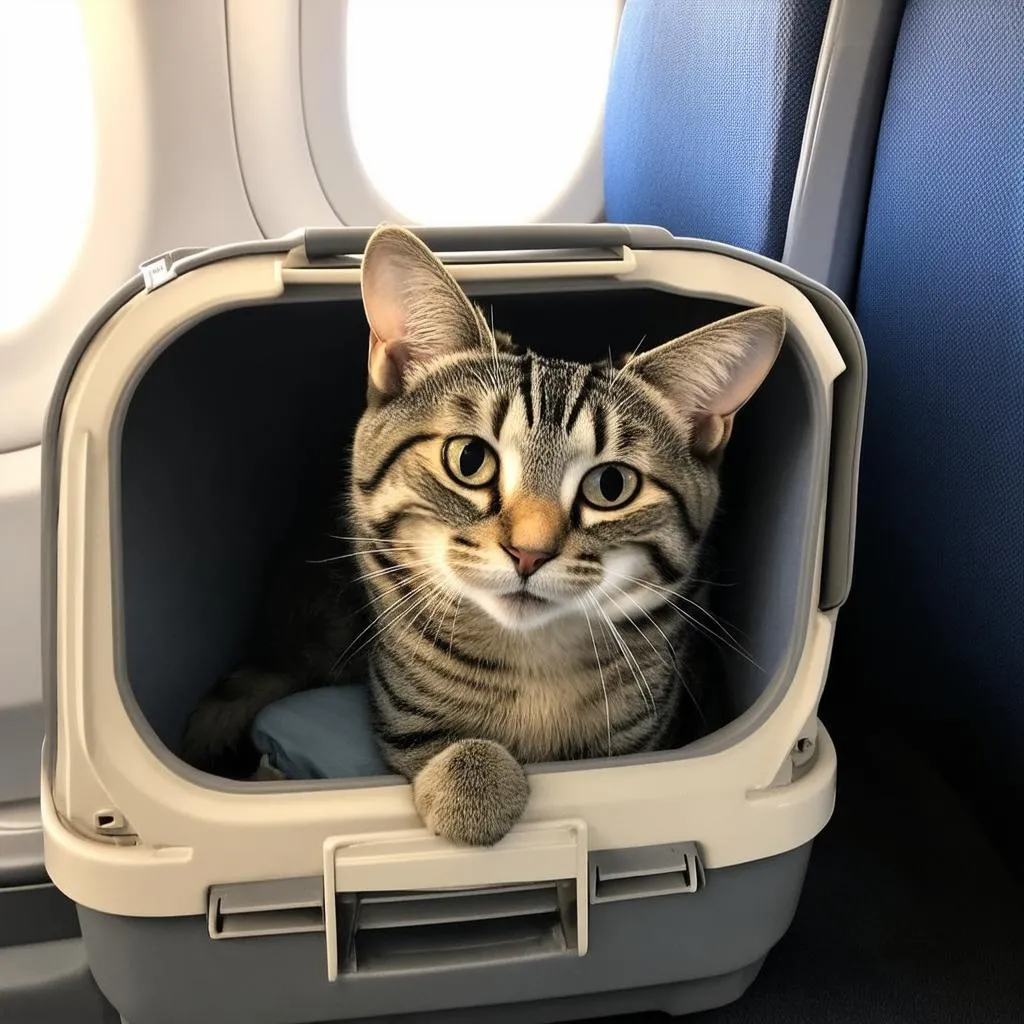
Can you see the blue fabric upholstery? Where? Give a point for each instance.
(320, 734)
(939, 593)
(705, 116)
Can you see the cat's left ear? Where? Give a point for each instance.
(415, 308)
(710, 374)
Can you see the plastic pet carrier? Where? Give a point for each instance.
(193, 414)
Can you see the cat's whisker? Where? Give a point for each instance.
(442, 593)
(618, 373)
(629, 401)
(395, 620)
(422, 583)
(613, 650)
(371, 540)
(436, 596)
(664, 591)
(668, 643)
(338, 662)
(614, 645)
(376, 573)
(668, 646)
(388, 590)
(451, 638)
(710, 583)
(626, 616)
(449, 596)
(600, 670)
(725, 639)
(494, 349)
(716, 620)
(356, 554)
(453, 595)
(642, 685)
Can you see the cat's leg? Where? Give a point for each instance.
(217, 737)
(472, 792)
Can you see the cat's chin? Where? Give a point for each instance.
(520, 611)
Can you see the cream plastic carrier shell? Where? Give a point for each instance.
(131, 833)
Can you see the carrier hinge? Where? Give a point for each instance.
(800, 757)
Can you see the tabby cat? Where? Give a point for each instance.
(525, 529)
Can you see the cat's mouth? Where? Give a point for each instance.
(524, 599)
(522, 609)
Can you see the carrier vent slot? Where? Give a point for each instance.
(644, 872)
(285, 906)
(421, 930)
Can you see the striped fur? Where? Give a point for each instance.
(477, 667)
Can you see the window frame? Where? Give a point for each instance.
(296, 151)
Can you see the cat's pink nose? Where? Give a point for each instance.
(527, 562)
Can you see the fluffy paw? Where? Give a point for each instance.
(472, 793)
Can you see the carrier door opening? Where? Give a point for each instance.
(240, 428)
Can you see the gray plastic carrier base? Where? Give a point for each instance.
(677, 954)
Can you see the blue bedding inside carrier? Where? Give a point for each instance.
(326, 733)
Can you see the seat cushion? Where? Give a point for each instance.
(939, 592)
(705, 116)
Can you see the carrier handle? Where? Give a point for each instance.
(418, 864)
(329, 243)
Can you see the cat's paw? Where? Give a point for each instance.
(217, 736)
(472, 792)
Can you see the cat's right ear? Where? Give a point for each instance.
(416, 310)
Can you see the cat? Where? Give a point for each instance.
(526, 530)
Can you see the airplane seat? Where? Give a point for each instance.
(935, 631)
(705, 116)
(708, 132)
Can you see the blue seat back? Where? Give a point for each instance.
(705, 116)
(939, 589)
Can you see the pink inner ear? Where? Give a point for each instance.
(711, 431)
(387, 364)
(382, 301)
(745, 376)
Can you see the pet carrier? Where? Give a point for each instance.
(190, 420)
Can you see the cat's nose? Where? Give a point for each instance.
(527, 561)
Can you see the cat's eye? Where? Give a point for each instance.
(470, 461)
(611, 485)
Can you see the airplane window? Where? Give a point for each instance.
(476, 112)
(47, 173)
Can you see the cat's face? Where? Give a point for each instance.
(534, 488)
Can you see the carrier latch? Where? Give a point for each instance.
(664, 870)
(280, 906)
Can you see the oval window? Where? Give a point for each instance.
(477, 112)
